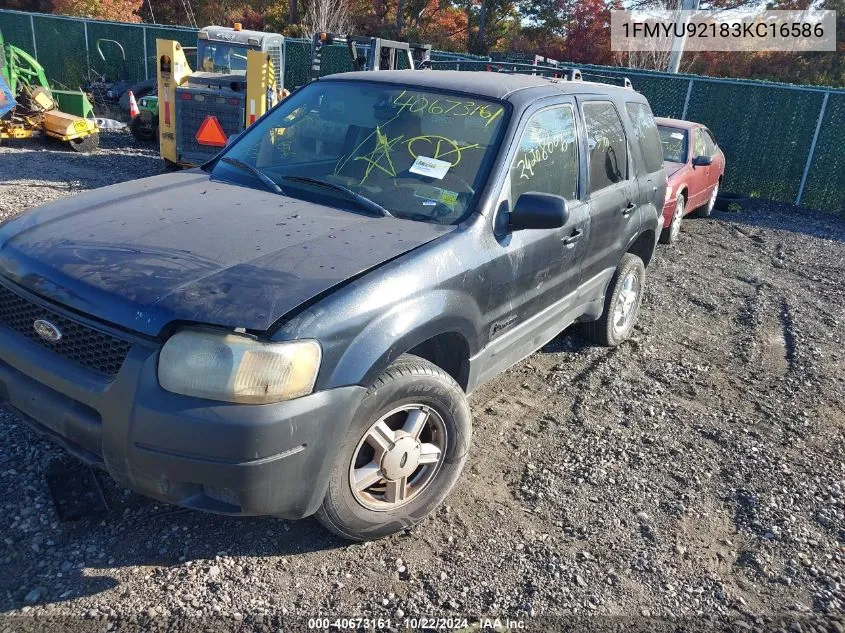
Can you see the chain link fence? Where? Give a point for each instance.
(782, 142)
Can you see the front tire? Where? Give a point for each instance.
(403, 452)
(670, 234)
(622, 304)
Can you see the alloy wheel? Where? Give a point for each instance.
(398, 457)
(713, 196)
(677, 218)
(626, 303)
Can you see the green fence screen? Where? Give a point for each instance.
(782, 143)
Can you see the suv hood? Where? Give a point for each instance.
(183, 247)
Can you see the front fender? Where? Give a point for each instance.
(401, 328)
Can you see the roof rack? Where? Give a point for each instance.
(556, 72)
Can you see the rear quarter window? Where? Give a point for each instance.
(647, 136)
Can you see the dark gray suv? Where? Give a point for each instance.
(294, 328)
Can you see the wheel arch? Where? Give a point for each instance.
(643, 246)
(441, 328)
(450, 352)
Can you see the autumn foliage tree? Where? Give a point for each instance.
(575, 31)
(117, 10)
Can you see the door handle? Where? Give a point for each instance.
(627, 211)
(576, 235)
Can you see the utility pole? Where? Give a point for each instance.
(678, 43)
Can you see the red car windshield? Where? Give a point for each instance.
(674, 143)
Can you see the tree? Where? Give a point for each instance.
(490, 23)
(588, 32)
(117, 10)
(327, 15)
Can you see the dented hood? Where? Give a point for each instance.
(182, 247)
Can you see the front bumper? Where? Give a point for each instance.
(219, 457)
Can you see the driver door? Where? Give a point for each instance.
(700, 185)
(536, 272)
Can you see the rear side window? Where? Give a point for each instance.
(547, 158)
(607, 145)
(645, 130)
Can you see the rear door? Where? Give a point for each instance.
(612, 192)
(648, 169)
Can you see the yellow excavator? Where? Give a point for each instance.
(28, 107)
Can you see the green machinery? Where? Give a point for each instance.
(28, 107)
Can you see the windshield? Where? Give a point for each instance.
(419, 154)
(674, 142)
(219, 57)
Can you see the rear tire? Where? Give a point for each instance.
(707, 209)
(143, 132)
(386, 478)
(621, 305)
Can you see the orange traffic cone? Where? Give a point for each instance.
(133, 106)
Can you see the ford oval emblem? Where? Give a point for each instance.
(47, 331)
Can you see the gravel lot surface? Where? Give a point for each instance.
(697, 470)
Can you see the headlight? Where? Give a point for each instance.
(237, 368)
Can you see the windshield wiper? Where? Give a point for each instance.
(362, 201)
(264, 178)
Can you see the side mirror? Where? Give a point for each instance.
(702, 161)
(535, 210)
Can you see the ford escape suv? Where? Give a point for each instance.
(294, 328)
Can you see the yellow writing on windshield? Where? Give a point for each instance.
(453, 107)
(438, 147)
(379, 158)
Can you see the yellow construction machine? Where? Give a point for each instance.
(29, 107)
(237, 82)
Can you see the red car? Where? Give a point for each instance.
(694, 168)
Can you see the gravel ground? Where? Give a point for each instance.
(696, 471)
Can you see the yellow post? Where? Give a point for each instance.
(171, 71)
(260, 86)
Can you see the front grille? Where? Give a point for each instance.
(192, 114)
(81, 344)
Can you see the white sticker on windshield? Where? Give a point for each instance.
(430, 167)
(677, 135)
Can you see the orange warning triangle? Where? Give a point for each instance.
(211, 132)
